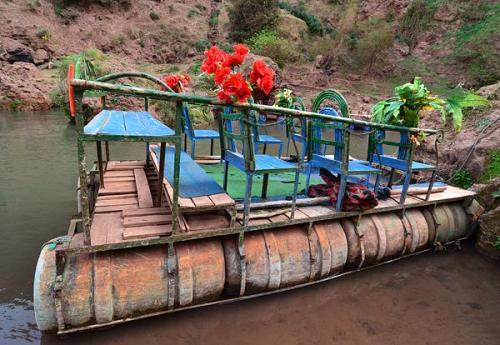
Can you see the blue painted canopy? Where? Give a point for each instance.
(127, 123)
(193, 181)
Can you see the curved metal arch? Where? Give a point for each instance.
(141, 75)
(332, 95)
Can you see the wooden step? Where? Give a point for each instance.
(147, 231)
(142, 186)
(140, 221)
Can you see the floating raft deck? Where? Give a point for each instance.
(124, 209)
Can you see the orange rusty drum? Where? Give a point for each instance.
(281, 258)
(385, 236)
(448, 223)
(124, 283)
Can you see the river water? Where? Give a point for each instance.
(448, 298)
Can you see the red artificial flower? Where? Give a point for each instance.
(262, 76)
(241, 49)
(237, 58)
(213, 59)
(175, 81)
(221, 74)
(234, 88)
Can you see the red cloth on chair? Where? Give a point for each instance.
(357, 196)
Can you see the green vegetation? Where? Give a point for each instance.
(411, 98)
(193, 13)
(15, 105)
(201, 45)
(269, 43)
(416, 20)
(462, 179)
(118, 39)
(243, 26)
(32, 4)
(154, 15)
(475, 44)
(300, 11)
(43, 34)
(377, 37)
(214, 18)
(493, 169)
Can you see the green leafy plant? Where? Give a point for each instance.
(493, 169)
(411, 98)
(15, 105)
(269, 43)
(462, 179)
(285, 98)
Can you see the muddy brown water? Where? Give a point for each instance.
(434, 298)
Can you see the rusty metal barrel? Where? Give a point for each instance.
(281, 258)
(446, 223)
(114, 285)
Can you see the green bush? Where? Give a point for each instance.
(377, 37)
(248, 17)
(475, 47)
(269, 43)
(118, 39)
(462, 179)
(32, 4)
(43, 34)
(416, 20)
(493, 169)
(300, 11)
(154, 15)
(201, 45)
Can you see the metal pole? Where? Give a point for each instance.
(99, 162)
(161, 173)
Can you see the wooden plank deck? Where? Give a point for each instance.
(129, 215)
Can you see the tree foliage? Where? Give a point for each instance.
(247, 17)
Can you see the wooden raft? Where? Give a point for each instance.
(124, 207)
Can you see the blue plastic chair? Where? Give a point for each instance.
(338, 164)
(196, 134)
(402, 162)
(249, 162)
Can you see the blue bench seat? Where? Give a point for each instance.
(134, 124)
(193, 181)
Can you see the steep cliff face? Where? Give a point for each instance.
(333, 43)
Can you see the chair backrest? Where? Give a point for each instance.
(244, 136)
(339, 137)
(188, 125)
(378, 140)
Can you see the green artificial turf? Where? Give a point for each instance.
(279, 184)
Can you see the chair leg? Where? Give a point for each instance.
(226, 168)
(294, 196)
(340, 196)
(265, 182)
(404, 190)
(256, 149)
(391, 177)
(193, 148)
(248, 199)
(431, 183)
(288, 146)
(264, 149)
(308, 178)
(185, 143)
(211, 147)
(280, 149)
